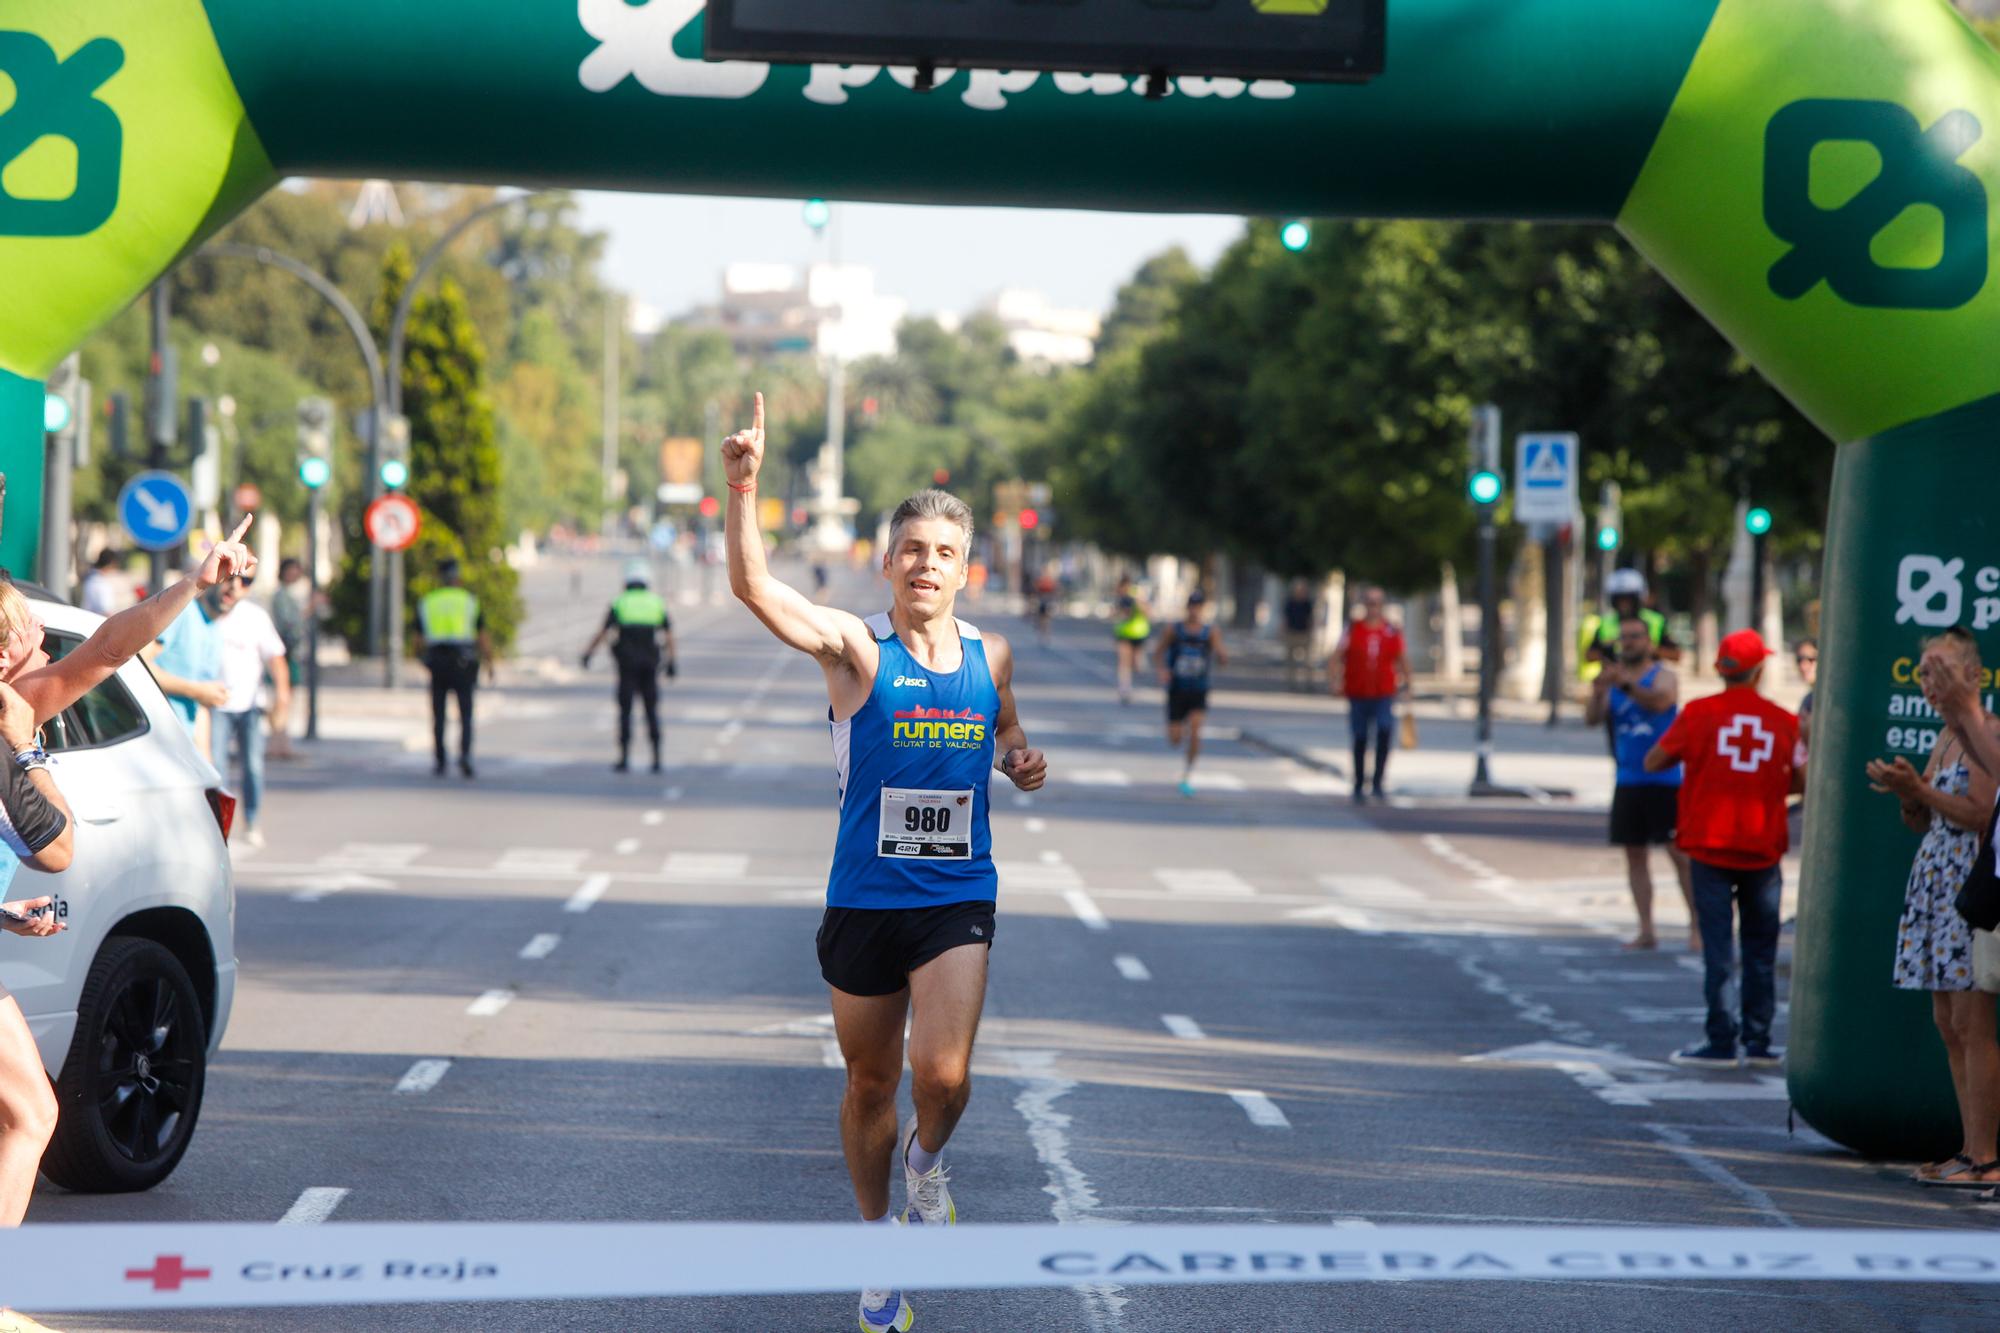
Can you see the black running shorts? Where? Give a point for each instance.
(872, 951)
(1181, 702)
(1644, 816)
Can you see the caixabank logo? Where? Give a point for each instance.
(61, 147)
(1921, 188)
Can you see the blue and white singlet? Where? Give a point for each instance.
(914, 761)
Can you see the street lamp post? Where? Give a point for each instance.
(358, 327)
(379, 605)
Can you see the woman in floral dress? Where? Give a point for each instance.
(1950, 803)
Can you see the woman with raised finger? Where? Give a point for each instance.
(36, 827)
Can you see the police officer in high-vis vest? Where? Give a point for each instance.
(454, 645)
(639, 619)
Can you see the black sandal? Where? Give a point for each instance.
(1931, 1171)
(1956, 1176)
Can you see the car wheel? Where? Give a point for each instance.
(131, 1088)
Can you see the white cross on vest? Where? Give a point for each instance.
(1729, 743)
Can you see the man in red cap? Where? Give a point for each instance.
(1736, 750)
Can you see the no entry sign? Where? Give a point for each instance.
(393, 522)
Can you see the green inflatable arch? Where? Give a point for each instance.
(1815, 175)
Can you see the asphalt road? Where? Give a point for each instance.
(1260, 1004)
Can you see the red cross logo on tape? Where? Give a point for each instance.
(166, 1274)
(1729, 742)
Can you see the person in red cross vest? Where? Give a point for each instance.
(1736, 750)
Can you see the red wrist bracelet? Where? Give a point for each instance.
(750, 485)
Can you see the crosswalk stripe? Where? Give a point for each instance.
(490, 1003)
(1261, 1109)
(422, 1076)
(1100, 777)
(1036, 875)
(553, 859)
(1183, 879)
(706, 865)
(375, 855)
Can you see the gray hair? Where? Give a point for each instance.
(931, 503)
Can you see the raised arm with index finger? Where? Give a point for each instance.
(49, 687)
(839, 641)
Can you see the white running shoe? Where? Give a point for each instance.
(884, 1311)
(929, 1197)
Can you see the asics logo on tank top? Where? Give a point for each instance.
(917, 682)
(1745, 743)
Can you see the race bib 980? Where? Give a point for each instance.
(930, 825)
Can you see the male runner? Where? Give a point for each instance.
(1185, 654)
(1639, 696)
(920, 704)
(639, 618)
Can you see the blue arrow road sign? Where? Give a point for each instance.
(156, 509)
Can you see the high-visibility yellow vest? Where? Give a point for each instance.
(639, 607)
(1600, 629)
(448, 615)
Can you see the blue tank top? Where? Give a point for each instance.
(914, 761)
(1188, 656)
(1635, 731)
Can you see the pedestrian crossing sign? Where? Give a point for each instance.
(1545, 476)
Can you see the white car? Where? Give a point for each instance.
(128, 1004)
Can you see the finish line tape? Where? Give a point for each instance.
(196, 1265)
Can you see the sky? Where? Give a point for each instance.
(669, 250)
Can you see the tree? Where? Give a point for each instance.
(455, 473)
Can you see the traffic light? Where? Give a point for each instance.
(1757, 522)
(315, 422)
(66, 410)
(1610, 518)
(1482, 481)
(818, 213)
(1030, 520)
(1484, 486)
(118, 422)
(395, 447)
(162, 389)
(55, 413)
(1296, 235)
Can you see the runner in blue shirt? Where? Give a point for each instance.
(1637, 697)
(1186, 653)
(922, 709)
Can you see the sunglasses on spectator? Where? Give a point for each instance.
(1804, 658)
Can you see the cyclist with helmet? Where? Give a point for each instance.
(1625, 590)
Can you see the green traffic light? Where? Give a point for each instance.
(1607, 539)
(55, 412)
(314, 472)
(395, 473)
(1757, 522)
(818, 213)
(1296, 235)
(1484, 487)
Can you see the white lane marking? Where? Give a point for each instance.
(556, 860)
(375, 855)
(706, 865)
(1315, 784)
(1029, 875)
(541, 946)
(1182, 879)
(1183, 1027)
(1073, 1200)
(1216, 782)
(1261, 1109)
(593, 889)
(1100, 777)
(1373, 890)
(1051, 858)
(1036, 824)
(316, 887)
(422, 1076)
(1680, 1145)
(829, 1054)
(625, 846)
(1347, 918)
(491, 1003)
(313, 1206)
(1130, 968)
(1086, 910)
(653, 818)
